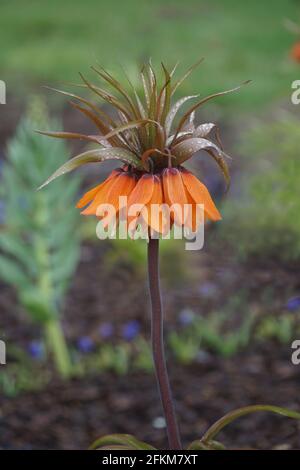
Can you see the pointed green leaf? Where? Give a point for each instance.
(222, 165)
(71, 135)
(164, 97)
(84, 101)
(118, 86)
(121, 439)
(130, 125)
(204, 129)
(11, 272)
(14, 246)
(186, 75)
(94, 156)
(107, 97)
(200, 445)
(187, 148)
(173, 111)
(233, 415)
(204, 100)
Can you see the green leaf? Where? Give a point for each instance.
(164, 98)
(63, 228)
(233, 415)
(186, 75)
(211, 445)
(70, 135)
(204, 129)
(130, 125)
(11, 272)
(204, 100)
(114, 447)
(14, 246)
(36, 305)
(94, 156)
(64, 263)
(117, 85)
(187, 148)
(127, 440)
(173, 111)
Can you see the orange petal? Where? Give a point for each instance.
(123, 185)
(142, 193)
(195, 215)
(92, 193)
(174, 193)
(88, 196)
(143, 190)
(100, 197)
(200, 194)
(153, 214)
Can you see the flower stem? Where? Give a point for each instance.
(158, 345)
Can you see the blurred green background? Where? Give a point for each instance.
(73, 309)
(51, 41)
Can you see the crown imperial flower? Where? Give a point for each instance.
(151, 148)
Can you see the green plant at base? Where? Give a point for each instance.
(206, 442)
(184, 346)
(39, 243)
(20, 376)
(209, 331)
(213, 332)
(281, 329)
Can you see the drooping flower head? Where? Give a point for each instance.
(152, 150)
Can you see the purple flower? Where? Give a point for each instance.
(131, 330)
(85, 344)
(36, 349)
(106, 330)
(186, 317)
(293, 304)
(208, 289)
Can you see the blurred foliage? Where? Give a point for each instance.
(53, 40)
(264, 220)
(133, 254)
(216, 334)
(20, 374)
(39, 243)
(212, 333)
(281, 328)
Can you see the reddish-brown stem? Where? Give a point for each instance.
(158, 345)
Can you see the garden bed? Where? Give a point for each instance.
(71, 415)
(65, 415)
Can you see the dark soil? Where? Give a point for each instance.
(71, 415)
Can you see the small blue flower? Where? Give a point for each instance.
(36, 349)
(131, 330)
(293, 304)
(106, 330)
(85, 344)
(186, 317)
(208, 289)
